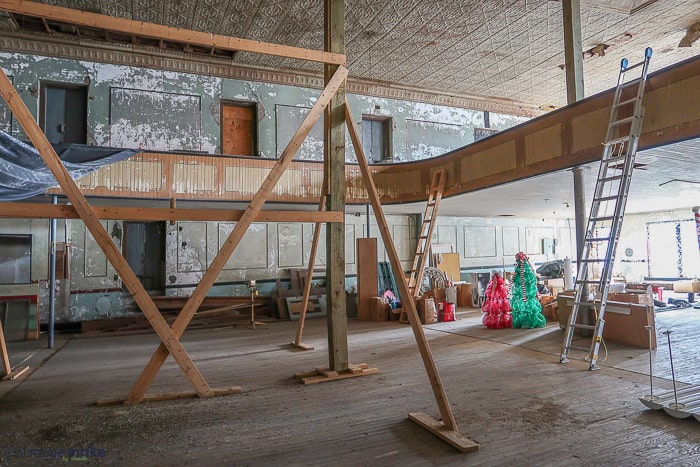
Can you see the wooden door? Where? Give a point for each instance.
(238, 129)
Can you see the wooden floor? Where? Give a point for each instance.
(505, 386)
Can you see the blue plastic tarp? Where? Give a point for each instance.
(23, 173)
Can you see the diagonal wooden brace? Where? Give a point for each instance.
(82, 207)
(406, 296)
(185, 316)
(309, 274)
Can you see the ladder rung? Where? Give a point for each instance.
(583, 326)
(632, 67)
(605, 198)
(628, 101)
(604, 218)
(610, 179)
(588, 282)
(576, 347)
(621, 139)
(592, 260)
(423, 237)
(623, 121)
(598, 239)
(633, 81)
(614, 159)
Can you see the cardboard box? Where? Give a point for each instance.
(380, 310)
(638, 298)
(624, 322)
(559, 282)
(427, 311)
(551, 311)
(687, 286)
(437, 294)
(464, 295)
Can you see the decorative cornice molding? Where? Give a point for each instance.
(149, 57)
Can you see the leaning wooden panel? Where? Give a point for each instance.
(140, 28)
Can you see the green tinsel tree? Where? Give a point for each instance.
(527, 311)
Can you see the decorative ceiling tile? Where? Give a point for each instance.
(505, 49)
(150, 11)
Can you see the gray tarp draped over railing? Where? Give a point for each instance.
(24, 174)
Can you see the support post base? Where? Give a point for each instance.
(13, 375)
(455, 438)
(321, 375)
(302, 346)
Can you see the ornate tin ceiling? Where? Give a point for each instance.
(505, 50)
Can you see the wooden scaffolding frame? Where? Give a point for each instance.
(170, 335)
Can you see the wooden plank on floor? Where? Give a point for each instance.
(455, 438)
(170, 396)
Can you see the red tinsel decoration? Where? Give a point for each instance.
(496, 307)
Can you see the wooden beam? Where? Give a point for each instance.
(309, 274)
(6, 368)
(103, 239)
(156, 31)
(170, 396)
(334, 158)
(185, 316)
(406, 297)
(62, 211)
(573, 51)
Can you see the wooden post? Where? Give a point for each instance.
(309, 275)
(447, 429)
(185, 316)
(334, 127)
(573, 53)
(82, 207)
(6, 368)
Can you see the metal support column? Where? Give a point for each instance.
(52, 277)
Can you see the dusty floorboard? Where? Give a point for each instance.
(506, 388)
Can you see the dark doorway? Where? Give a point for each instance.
(63, 115)
(238, 128)
(376, 138)
(144, 249)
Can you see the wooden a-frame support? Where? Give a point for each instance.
(185, 316)
(93, 224)
(447, 428)
(170, 343)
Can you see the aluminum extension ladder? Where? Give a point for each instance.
(425, 234)
(608, 208)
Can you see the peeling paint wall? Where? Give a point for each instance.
(167, 111)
